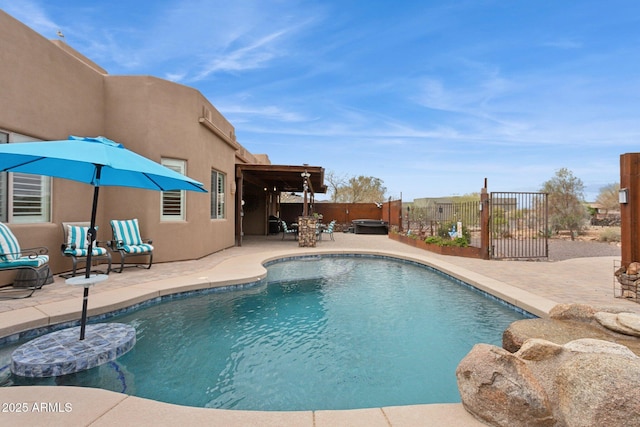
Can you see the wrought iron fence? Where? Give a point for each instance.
(438, 217)
(518, 225)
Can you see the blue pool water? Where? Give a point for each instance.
(322, 333)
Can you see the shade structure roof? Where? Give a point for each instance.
(283, 178)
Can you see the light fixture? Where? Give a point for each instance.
(305, 187)
(623, 195)
(305, 177)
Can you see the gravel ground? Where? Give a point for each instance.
(566, 249)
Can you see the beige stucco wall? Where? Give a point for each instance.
(45, 91)
(49, 92)
(161, 120)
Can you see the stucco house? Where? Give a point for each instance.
(50, 91)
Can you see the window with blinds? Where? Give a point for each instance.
(30, 198)
(217, 194)
(24, 198)
(172, 208)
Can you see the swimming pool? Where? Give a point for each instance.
(321, 333)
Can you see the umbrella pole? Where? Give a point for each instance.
(83, 322)
(92, 238)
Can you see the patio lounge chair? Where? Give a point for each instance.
(329, 229)
(127, 242)
(76, 246)
(286, 230)
(33, 266)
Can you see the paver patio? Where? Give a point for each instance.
(535, 286)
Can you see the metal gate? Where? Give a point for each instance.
(518, 225)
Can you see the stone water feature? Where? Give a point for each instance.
(580, 367)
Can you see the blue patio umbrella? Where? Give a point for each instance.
(97, 161)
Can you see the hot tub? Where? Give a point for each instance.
(370, 226)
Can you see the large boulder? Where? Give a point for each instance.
(585, 382)
(599, 390)
(568, 322)
(498, 388)
(582, 312)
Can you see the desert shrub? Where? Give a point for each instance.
(443, 233)
(458, 241)
(609, 234)
(447, 241)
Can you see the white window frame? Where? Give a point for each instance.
(173, 200)
(218, 185)
(24, 198)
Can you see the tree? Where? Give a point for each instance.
(361, 189)
(566, 201)
(335, 183)
(608, 197)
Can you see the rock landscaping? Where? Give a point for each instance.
(580, 367)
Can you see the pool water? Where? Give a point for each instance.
(322, 333)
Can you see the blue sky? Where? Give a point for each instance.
(430, 96)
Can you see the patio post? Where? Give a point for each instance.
(629, 213)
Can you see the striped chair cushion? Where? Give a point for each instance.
(77, 237)
(78, 243)
(137, 249)
(35, 261)
(96, 251)
(9, 247)
(127, 232)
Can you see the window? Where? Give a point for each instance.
(217, 194)
(24, 198)
(173, 201)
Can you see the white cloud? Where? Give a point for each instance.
(265, 112)
(251, 56)
(563, 44)
(31, 14)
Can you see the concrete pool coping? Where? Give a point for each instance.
(100, 407)
(236, 271)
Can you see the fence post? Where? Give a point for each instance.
(629, 215)
(484, 224)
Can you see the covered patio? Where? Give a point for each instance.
(258, 191)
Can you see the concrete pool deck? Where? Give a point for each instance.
(533, 286)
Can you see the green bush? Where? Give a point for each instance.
(447, 241)
(460, 241)
(445, 238)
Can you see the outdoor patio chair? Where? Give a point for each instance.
(76, 246)
(286, 230)
(127, 242)
(329, 229)
(32, 265)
